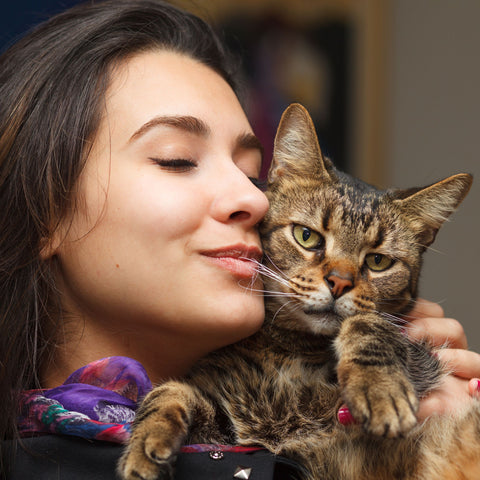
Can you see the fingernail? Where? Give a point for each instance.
(474, 387)
(344, 416)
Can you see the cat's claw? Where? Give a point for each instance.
(150, 454)
(142, 462)
(158, 432)
(384, 409)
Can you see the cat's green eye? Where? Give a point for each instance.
(307, 238)
(378, 262)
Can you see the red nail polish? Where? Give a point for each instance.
(344, 416)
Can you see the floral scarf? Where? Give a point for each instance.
(97, 402)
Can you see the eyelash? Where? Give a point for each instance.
(175, 164)
(261, 184)
(183, 165)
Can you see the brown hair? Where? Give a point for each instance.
(52, 83)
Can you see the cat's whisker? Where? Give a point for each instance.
(421, 301)
(281, 294)
(268, 293)
(435, 250)
(393, 319)
(268, 272)
(252, 282)
(279, 309)
(403, 324)
(272, 293)
(279, 271)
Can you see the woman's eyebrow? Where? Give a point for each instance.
(183, 122)
(196, 126)
(250, 141)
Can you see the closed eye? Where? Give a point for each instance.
(175, 164)
(261, 184)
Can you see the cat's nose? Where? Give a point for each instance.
(338, 284)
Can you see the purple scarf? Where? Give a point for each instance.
(97, 402)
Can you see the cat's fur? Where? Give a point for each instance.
(329, 337)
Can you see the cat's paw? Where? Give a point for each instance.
(146, 460)
(385, 407)
(156, 439)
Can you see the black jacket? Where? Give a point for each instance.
(54, 457)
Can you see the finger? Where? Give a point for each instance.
(462, 363)
(439, 331)
(451, 396)
(474, 387)
(425, 308)
(344, 416)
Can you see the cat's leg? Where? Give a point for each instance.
(372, 372)
(160, 428)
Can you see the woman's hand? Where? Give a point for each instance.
(462, 384)
(427, 320)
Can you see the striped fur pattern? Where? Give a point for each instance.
(342, 261)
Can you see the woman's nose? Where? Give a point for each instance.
(239, 201)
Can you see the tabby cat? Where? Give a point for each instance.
(344, 259)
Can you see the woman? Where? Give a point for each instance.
(125, 183)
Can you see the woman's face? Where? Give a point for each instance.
(166, 211)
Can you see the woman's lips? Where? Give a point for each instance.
(237, 259)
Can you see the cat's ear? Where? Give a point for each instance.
(427, 208)
(296, 149)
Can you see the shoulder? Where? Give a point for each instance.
(73, 458)
(64, 458)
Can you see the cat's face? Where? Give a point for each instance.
(338, 252)
(335, 246)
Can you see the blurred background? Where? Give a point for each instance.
(392, 85)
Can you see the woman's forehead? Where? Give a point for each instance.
(164, 83)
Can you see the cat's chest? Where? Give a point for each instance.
(293, 391)
(292, 380)
(295, 368)
(300, 377)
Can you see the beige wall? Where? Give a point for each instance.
(434, 131)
